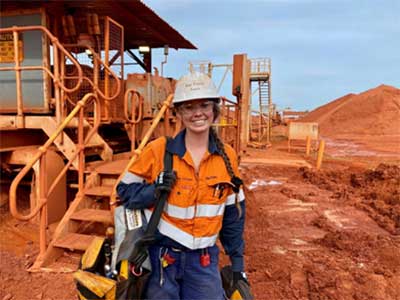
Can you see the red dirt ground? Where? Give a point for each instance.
(328, 234)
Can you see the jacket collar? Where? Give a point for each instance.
(177, 145)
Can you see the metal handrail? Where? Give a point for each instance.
(95, 88)
(260, 65)
(136, 152)
(54, 40)
(136, 96)
(224, 124)
(42, 150)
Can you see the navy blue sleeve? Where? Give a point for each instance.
(231, 235)
(136, 195)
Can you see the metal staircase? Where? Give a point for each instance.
(264, 96)
(88, 215)
(260, 73)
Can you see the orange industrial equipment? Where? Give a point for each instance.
(69, 114)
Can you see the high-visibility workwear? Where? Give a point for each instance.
(201, 205)
(195, 85)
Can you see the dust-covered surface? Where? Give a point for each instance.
(18, 250)
(332, 234)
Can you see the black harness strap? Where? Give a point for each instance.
(139, 253)
(159, 207)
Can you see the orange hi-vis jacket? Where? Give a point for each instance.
(193, 215)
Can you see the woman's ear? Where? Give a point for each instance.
(178, 115)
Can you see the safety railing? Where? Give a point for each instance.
(260, 66)
(40, 157)
(230, 118)
(163, 111)
(131, 117)
(260, 126)
(96, 64)
(55, 75)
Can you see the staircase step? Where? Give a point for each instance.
(93, 215)
(74, 241)
(113, 168)
(104, 191)
(89, 146)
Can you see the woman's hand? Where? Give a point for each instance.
(164, 182)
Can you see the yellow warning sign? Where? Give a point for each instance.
(7, 48)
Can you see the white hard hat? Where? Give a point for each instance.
(195, 85)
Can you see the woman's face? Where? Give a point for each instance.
(197, 115)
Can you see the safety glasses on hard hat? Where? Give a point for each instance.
(191, 108)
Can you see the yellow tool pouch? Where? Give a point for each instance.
(90, 280)
(93, 255)
(92, 286)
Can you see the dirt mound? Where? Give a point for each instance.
(373, 112)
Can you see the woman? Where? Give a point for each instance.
(202, 204)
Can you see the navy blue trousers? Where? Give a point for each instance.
(185, 278)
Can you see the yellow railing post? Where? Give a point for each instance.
(308, 145)
(20, 105)
(320, 153)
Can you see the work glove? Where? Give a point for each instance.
(164, 182)
(239, 276)
(241, 287)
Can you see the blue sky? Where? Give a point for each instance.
(320, 49)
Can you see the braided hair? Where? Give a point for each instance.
(236, 181)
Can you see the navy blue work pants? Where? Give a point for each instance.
(185, 278)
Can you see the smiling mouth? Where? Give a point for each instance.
(199, 122)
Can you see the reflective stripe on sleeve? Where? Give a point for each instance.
(231, 198)
(131, 178)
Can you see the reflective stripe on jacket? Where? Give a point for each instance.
(194, 212)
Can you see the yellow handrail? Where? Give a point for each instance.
(143, 143)
(13, 188)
